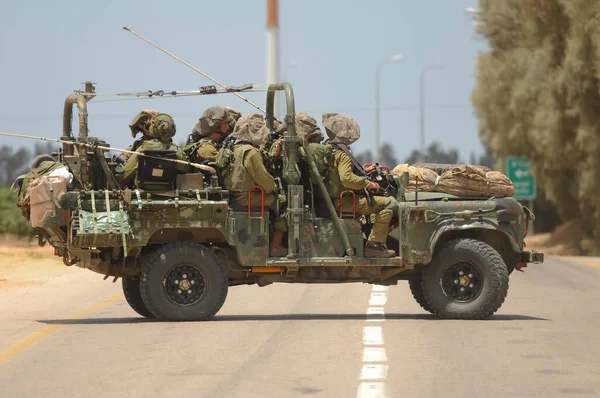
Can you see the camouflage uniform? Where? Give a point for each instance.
(160, 131)
(343, 131)
(248, 170)
(202, 145)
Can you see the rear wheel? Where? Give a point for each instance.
(183, 281)
(133, 296)
(415, 283)
(467, 279)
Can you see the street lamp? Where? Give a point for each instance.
(393, 58)
(422, 106)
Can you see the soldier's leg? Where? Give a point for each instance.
(381, 213)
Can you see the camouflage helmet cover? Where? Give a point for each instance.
(251, 128)
(162, 127)
(341, 129)
(306, 127)
(141, 121)
(233, 115)
(210, 121)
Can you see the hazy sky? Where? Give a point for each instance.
(49, 47)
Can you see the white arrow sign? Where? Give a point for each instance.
(521, 173)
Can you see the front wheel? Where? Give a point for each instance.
(415, 283)
(183, 281)
(467, 279)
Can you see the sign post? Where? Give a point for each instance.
(519, 170)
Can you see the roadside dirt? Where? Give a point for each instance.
(566, 240)
(24, 263)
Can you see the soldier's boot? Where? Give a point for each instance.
(276, 249)
(378, 249)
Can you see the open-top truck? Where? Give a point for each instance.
(178, 243)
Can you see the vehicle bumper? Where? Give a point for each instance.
(531, 257)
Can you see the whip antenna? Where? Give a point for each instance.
(128, 28)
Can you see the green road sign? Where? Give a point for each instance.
(519, 170)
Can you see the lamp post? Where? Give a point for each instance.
(392, 58)
(422, 107)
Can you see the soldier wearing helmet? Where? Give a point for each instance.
(347, 174)
(214, 125)
(157, 136)
(139, 124)
(248, 170)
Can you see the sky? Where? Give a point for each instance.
(329, 51)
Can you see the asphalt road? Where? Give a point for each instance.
(76, 337)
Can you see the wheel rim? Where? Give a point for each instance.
(462, 282)
(185, 285)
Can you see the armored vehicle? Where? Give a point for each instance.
(178, 243)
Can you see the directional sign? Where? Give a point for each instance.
(519, 171)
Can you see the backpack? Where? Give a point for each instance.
(323, 157)
(21, 184)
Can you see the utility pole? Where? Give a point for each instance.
(272, 65)
(422, 109)
(392, 58)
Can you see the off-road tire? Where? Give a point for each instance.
(158, 265)
(486, 261)
(416, 288)
(133, 296)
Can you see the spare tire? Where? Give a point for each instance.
(441, 168)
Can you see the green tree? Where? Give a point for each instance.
(538, 95)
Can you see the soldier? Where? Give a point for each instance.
(342, 132)
(214, 125)
(139, 124)
(248, 170)
(158, 137)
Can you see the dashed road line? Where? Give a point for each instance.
(374, 368)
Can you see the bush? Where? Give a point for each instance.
(11, 220)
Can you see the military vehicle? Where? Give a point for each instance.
(179, 244)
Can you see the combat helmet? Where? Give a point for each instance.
(251, 128)
(141, 122)
(341, 129)
(162, 127)
(232, 117)
(210, 121)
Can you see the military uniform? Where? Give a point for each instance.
(159, 134)
(248, 170)
(205, 147)
(342, 176)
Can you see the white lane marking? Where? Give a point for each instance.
(375, 368)
(371, 390)
(378, 298)
(372, 335)
(375, 314)
(374, 354)
(379, 288)
(373, 371)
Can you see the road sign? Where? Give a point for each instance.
(519, 170)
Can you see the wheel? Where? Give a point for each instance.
(416, 288)
(467, 279)
(131, 290)
(183, 281)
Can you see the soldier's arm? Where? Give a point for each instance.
(348, 178)
(256, 167)
(129, 170)
(207, 152)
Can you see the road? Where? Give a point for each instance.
(75, 336)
